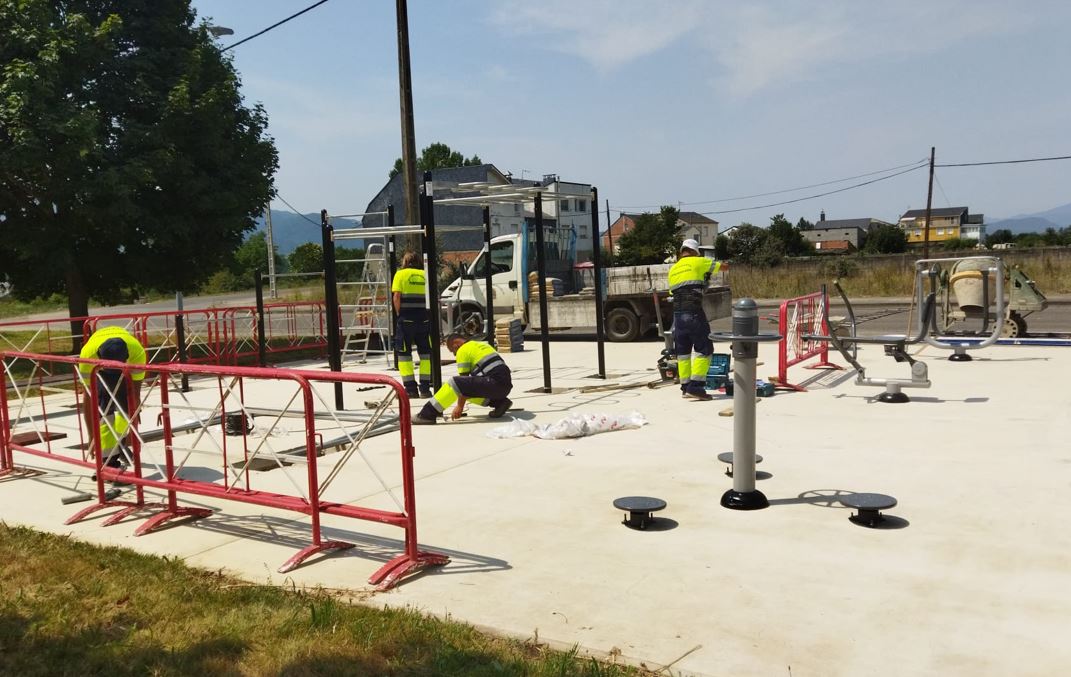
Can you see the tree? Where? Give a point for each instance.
(307, 258)
(958, 244)
(745, 241)
(435, 156)
(653, 238)
(1000, 236)
(804, 224)
(127, 156)
(792, 241)
(721, 248)
(253, 255)
(886, 239)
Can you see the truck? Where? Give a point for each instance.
(636, 298)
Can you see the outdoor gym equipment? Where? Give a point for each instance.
(745, 339)
(969, 278)
(640, 509)
(895, 347)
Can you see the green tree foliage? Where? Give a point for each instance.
(791, 238)
(721, 248)
(435, 156)
(804, 224)
(127, 156)
(958, 244)
(1000, 236)
(745, 242)
(253, 254)
(307, 258)
(887, 239)
(654, 238)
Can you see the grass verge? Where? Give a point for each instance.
(70, 608)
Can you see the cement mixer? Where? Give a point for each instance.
(967, 293)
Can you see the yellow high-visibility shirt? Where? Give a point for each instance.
(687, 279)
(478, 358)
(134, 348)
(412, 285)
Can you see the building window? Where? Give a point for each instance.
(565, 205)
(918, 233)
(581, 205)
(940, 231)
(516, 207)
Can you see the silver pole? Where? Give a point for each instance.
(744, 425)
(745, 338)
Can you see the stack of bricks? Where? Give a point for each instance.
(509, 337)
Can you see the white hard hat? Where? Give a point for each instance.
(690, 244)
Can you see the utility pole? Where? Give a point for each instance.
(929, 204)
(273, 293)
(405, 87)
(609, 234)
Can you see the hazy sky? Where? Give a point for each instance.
(667, 101)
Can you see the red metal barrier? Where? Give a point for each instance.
(798, 317)
(157, 388)
(213, 335)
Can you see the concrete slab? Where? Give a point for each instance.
(976, 581)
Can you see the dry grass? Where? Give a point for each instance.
(71, 608)
(883, 276)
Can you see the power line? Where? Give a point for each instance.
(811, 197)
(942, 188)
(274, 25)
(1006, 162)
(913, 165)
(283, 200)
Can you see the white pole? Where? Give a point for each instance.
(272, 291)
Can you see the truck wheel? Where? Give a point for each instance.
(470, 320)
(622, 325)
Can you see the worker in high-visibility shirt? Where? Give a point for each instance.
(483, 378)
(413, 329)
(688, 279)
(113, 400)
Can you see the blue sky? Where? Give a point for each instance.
(676, 100)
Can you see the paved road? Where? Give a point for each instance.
(877, 316)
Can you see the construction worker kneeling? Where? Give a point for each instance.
(483, 378)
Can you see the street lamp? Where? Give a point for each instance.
(218, 31)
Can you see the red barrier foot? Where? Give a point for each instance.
(307, 552)
(178, 513)
(130, 510)
(393, 571)
(86, 512)
(824, 365)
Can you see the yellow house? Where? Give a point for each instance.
(946, 223)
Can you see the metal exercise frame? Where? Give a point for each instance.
(159, 449)
(488, 194)
(931, 268)
(895, 346)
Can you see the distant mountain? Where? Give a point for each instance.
(290, 230)
(1057, 217)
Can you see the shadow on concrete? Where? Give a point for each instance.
(658, 524)
(824, 498)
(890, 522)
(297, 534)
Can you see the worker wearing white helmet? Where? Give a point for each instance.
(688, 279)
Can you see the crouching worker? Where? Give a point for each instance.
(482, 378)
(115, 344)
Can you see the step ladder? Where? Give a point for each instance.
(366, 320)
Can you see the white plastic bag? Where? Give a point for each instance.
(515, 428)
(572, 426)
